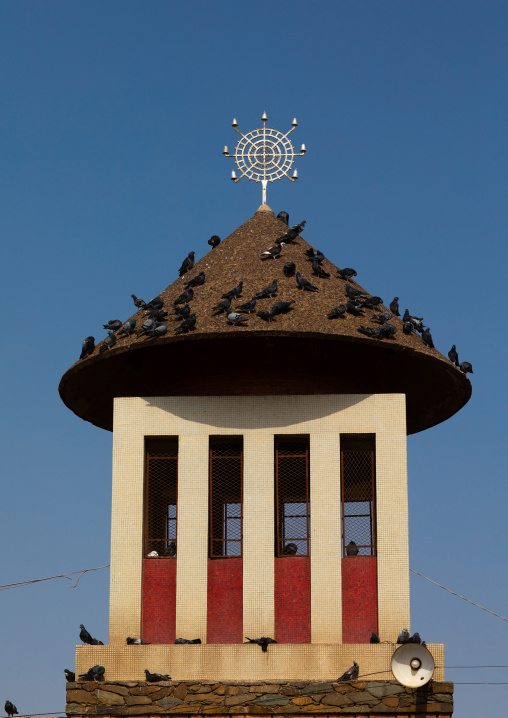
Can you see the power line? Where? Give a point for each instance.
(49, 578)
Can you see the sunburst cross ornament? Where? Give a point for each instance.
(264, 155)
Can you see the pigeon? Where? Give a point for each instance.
(407, 327)
(290, 549)
(263, 642)
(179, 641)
(346, 273)
(372, 332)
(113, 325)
(352, 549)
(146, 327)
(318, 270)
(284, 216)
(158, 330)
(234, 293)
(222, 306)
(234, 318)
(138, 303)
(93, 674)
(214, 241)
(351, 674)
(248, 306)
(70, 677)
(268, 292)
(170, 549)
(96, 642)
(196, 281)
(382, 318)
(453, 356)
(387, 331)
(372, 302)
(314, 255)
(337, 312)
(185, 297)
(182, 312)
(87, 347)
(10, 708)
(289, 269)
(85, 636)
(291, 234)
(415, 638)
(417, 322)
(153, 554)
(427, 338)
(374, 638)
(273, 252)
(403, 636)
(187, 264)
(466, 367)
(187, 325)
(354, 308)
(278, 308)
(305, 284)
(394, 307)
(127, 328)
(155, 677)
(353, 293)
(155, 303)
(298, 228)
(136, 642)
(157, 314)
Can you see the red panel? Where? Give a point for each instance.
(292, 599)
(225, 600)
(159, 600)
(359, 598)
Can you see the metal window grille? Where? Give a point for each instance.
(292, 496)
(358, 491)
(161, 486)
(226, 496)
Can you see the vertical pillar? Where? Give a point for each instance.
(192, 537)
(258, 535)
(325, 532)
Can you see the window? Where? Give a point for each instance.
(357, 461)
(161, 496)
(292, 496)
(226, 475)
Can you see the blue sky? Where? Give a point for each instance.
(113, 119)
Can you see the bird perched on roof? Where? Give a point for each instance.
(196, 281)
(382, 318)
(417, 322)
(247, 307)
(214, 241)
(374, 638)
(185, 297)
(290, 549)
(453, 356)
(352, 549)
(157, 314)
(158, 330)
(180, 641)
(291, 234)
(284, 216)
(222, 306)
(372, 302)
(305, 284)
(187, 325)
(181, 312)
(273, 252)
(318, 270)
(235, 318)
(234, 293)
(113, 325)
(155, 303)
(146, 327)
(337, 312)
(138, 303)
(10, 708)
(351, 674)
(108, 342)
(415, 638)
(267, 292)
(170, 549)
(70, 677)
(394, 306)
(346, 273)
(278, 308)
(466, 367)
(136, 642)
(372, 332)
(407, 327)
(354, 308)
(87, 347)
(93, 674)
(187, 264)
(353, 293)
(127, 328)
(263, 642)
(298, 228)
(84, 636)
(289, 269)
(427, 338)
(403, 636)
(388, 331)
(314, 254)
(155, 677)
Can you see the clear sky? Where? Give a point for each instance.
(112, 122)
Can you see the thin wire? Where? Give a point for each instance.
(462, 597)
(49, 578)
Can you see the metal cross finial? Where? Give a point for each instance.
(264, 155)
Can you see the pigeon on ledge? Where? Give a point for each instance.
(155, 677)
(263, 642)
(351, 674)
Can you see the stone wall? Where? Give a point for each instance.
(374, 698)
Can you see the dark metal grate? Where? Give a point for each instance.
(358, 482)
(292, 496)
(161, 496)
(226, 475)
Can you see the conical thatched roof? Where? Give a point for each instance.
(302, 352)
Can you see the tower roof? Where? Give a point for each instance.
(301, 352)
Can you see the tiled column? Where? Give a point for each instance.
(258, 535)
(192, 537)
(325, 541)
(126, 528)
